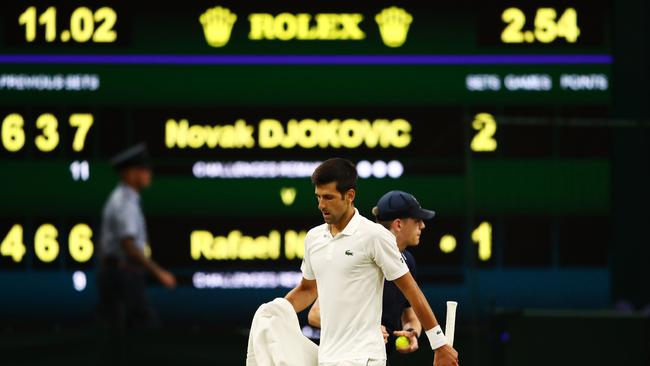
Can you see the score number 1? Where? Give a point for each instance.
(482, 236)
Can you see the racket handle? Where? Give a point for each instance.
(450, 324)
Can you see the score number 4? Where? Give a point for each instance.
(13, 132)
(46, 247)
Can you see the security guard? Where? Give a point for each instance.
(123, 266)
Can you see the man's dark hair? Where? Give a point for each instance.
(341, 171)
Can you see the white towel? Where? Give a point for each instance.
(275, 338)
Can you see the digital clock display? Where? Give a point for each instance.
(84, 25)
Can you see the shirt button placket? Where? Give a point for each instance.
(330, 248)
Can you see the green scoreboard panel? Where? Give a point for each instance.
(492, 113)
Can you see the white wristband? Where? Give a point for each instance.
(436, 337)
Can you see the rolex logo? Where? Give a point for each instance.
(217, 25)
(394, 25)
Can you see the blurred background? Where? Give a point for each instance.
(523, 124)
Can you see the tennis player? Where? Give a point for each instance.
(401, 213)
(346, 261)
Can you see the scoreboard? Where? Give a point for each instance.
(493, 113)
(292, 53)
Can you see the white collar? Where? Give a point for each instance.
(353, 224)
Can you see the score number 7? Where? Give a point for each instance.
(82, 121)
(486, 127)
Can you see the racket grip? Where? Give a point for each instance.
(450, 324)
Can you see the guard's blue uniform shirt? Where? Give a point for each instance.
(122, 218)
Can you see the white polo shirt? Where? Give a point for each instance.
(349, 270)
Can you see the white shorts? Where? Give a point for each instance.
(363, 362)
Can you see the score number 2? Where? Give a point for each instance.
(486, 127)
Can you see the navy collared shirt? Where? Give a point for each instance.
(394, 303)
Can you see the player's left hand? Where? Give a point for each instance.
(413, 340)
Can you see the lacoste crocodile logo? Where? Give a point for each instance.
(348, 252)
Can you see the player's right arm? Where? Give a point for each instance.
(303, 295)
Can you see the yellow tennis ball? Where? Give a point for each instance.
(402, 342)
